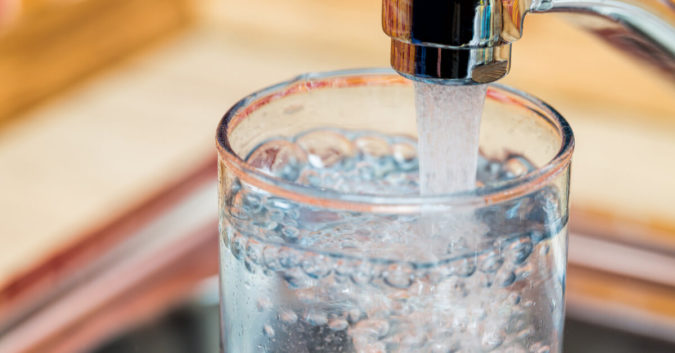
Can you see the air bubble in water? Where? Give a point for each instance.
(413, 339)
(513, 299)
(464, 267)
(377, 347)
(279, 158)
(289, 258)
(316, 317)
(361, 274)
(514, 349)
(290, 233)
(375, 328)
(439, 273)
(441, 347)
(543, 251)
(238, 246)
(250, 266)
(252, 203)
(517, 322)
(520, 250)
(491, 262)
(405, 156)
(275, 215)
(271, 257)
(517, 165)
(525, 333)
(268, 331)
(263, 304)
(505, 278)
(492, 339)
(540, 348)
(398, 276)
(338, 324)
(316, 266)
(237, 209)
(297, 279)
(523, 271)
(373, 146)
(288, 316)
(254, 252)
(326, 148)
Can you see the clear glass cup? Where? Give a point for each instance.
(326, 246)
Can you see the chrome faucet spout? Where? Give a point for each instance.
(461, 42)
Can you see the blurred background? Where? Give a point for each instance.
(108, 111)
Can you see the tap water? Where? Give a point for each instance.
(448, 129)
(448, 126)
(303, 279)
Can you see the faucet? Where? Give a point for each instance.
(464, 42)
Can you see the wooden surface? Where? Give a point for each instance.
(87, 156)
(51, 45)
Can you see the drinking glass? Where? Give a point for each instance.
(327, 246)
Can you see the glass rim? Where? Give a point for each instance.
(329, 198)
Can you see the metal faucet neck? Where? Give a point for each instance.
(463, 42)
(455, 42)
